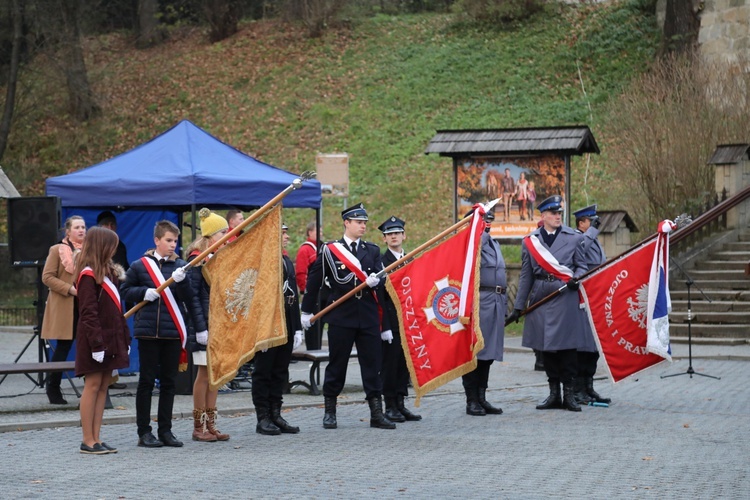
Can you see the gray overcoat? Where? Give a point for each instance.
(594, 256)
(492, 305)
(555, 325)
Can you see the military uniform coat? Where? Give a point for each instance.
(555, 325)
(492, 305)
(594, 256)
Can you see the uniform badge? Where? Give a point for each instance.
(442, 306)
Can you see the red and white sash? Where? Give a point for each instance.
(174, 310)
(107, 285)
(353, 264)
(308, 242)
(545, 259)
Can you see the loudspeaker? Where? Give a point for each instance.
(33, 227)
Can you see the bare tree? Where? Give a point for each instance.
(83, 106)
(681, 25)
(315, 14)
(150, 33)
(15, 63)
(664, 128)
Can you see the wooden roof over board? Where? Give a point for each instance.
(727, 154)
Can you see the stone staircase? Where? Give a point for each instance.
(719, 296)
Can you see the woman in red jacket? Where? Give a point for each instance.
(103, 337)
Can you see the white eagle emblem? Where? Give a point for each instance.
(638, 307)
(442, 306)
(240, 296)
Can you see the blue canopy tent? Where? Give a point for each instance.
(181, 170)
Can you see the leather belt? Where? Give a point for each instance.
(545, 277)
(496, 289)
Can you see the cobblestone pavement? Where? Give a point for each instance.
(677, 437)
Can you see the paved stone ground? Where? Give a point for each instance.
(677, 437)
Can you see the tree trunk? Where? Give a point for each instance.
(83, 106)
(15, 62)
(149, 31)
(222, 16)
(681, 25)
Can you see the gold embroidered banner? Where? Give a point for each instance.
(246, 310)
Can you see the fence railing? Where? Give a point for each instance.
(17, 316)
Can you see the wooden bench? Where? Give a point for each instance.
(44, 367)
(316, 356)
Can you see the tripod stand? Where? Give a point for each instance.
(690, 371)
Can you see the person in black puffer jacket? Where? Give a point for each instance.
(160, 328)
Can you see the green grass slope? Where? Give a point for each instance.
(377, 90)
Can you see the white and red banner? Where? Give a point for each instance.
(627, 302)
(436, 296)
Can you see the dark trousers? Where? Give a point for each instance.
(561, 366)
(313, 336)
(159, 359)
(271, 374)
(479, 377)
(395, 374)
(369, 351)
(62, 349)
(587, 363)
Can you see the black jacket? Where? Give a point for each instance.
(153, 320)
(291, 299)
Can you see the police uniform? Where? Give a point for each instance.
(554, 327)
(588, 354)
(356, 321)
(395, 374)
(492, 306)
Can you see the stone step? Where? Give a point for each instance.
(713, 284)
(713, 306)
(736, 246)
(701, 330)
(713, 294)
(723, 318)
(728, 255)
(720, 265)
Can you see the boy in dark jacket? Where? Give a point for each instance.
(160, 330)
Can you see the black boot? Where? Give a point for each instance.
(54, 394)
(569, 399)
(472, 403)
(592, 393)
(408, 415)
(553, 401)
(538, 361)
(280, 422)
(579, 391)
(377, 419)
(265, 425)
(488, 408)
(329, 418)
(391, 411)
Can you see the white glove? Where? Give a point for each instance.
(98, 356)
(202, 337)
(297, 339)
(151, 295)
(372, 280)
(178, 274)
(128, 350)
(386, 336)
(306, 317)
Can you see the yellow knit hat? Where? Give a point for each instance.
(211, 223)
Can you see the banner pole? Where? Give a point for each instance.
(296, 184)
(409, 256)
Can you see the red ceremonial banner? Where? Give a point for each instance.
(438, 314)
(617, 305)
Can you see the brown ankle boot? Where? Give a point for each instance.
(211, 414)
(200, 431)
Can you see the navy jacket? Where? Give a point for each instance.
(153, 320)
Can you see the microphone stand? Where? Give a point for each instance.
(689, 283)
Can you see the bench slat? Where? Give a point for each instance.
(51, 366)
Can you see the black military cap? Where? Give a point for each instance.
(355, 212)
(392, 225)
